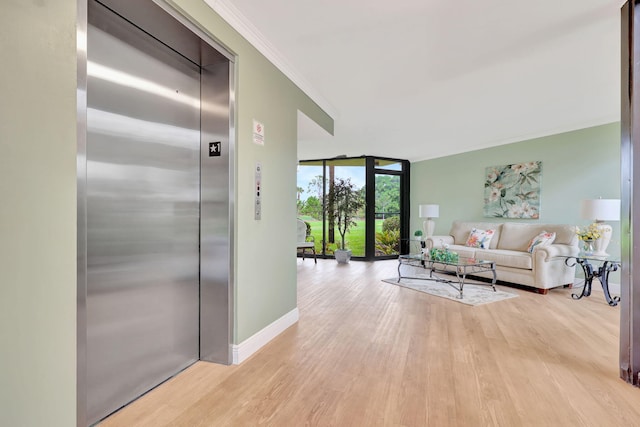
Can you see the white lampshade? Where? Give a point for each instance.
(429, 211)
(601, 209)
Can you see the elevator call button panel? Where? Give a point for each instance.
(258, 192)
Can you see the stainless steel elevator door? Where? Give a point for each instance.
(143, 201)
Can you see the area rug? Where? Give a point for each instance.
(472, 294)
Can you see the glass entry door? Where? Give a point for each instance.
(387, 214)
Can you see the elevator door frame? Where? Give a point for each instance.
(216, 246)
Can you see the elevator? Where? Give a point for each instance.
(155, 196)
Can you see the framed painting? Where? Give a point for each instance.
(513, 191)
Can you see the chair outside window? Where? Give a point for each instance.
(305, 241)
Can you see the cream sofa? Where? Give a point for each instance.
(543, 269)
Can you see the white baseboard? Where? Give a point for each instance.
(246, 348)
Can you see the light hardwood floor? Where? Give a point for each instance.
(368, 353)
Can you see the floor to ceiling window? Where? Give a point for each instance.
(387, 207)
(380, 227)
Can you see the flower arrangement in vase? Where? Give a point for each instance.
(588, 235)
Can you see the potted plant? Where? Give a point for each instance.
(346, 201)
(418, 234)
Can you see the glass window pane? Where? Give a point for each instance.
(310, 192)
(387, 215)
(310, 199)
(351, 171)
(392, 165)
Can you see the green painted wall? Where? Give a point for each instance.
(38, 187)
(265, 250)
(38, 213)
(582, 164)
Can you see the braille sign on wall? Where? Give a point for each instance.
(215, 148)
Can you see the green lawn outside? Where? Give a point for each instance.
(354, 238)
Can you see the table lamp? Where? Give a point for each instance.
(429, 212)
(601, 210)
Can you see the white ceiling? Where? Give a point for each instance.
(419, 79)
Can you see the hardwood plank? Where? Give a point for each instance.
(368, 353)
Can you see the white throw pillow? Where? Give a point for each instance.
(542, 239)
(480, 238)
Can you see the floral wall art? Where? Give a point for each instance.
(513, 191)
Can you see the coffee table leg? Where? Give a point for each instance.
(587, 269)
(603, 276)
(461, 280)
(493, 282)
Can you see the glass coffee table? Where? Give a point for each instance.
(462, 268)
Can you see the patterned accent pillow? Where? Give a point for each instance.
(542, 239)
(480, 238)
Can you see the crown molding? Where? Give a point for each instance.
(242, 25)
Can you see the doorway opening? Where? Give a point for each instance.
(380, 229)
